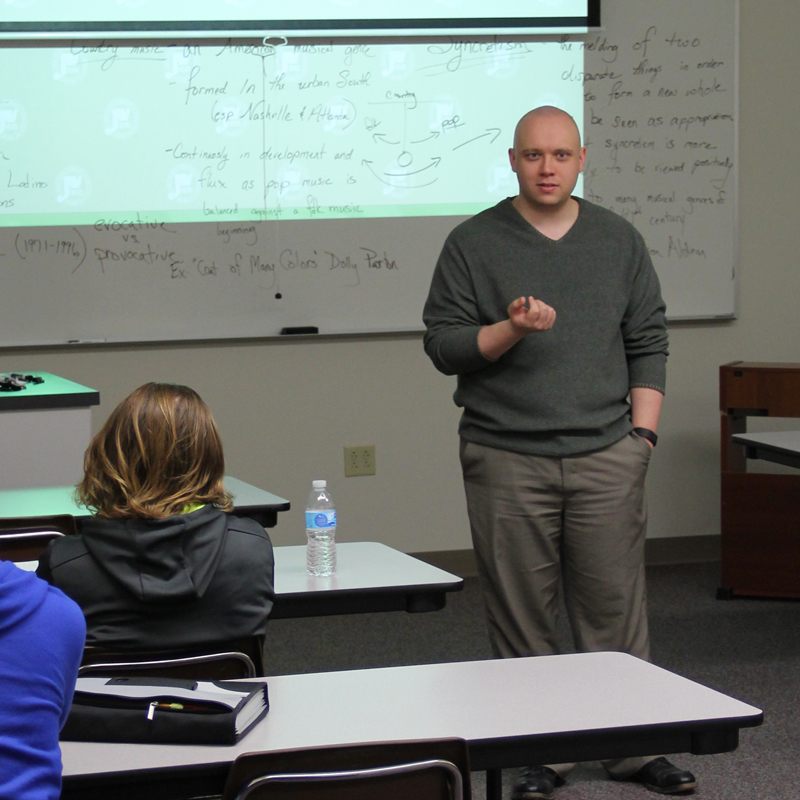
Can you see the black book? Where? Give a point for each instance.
(164, 710)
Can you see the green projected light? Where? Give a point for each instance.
(102, 134)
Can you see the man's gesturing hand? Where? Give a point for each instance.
(524, 316)
(527, 316)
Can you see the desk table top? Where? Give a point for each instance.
(361, 566)
(779, 447)
(587, 696)
(370, 577)
(782, 441)
(53, 500)
(55, 392)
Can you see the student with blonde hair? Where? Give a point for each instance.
(162, 563)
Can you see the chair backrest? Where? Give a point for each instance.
(25, 545)
(61, 523)
(436, 769)
(240, 658)
(24, 538)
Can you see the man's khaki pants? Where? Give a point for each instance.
(535, 519)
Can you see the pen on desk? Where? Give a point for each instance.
(85, 341)
(156, 704)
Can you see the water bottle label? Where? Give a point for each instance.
(320, 519)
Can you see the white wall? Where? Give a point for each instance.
(280, 430)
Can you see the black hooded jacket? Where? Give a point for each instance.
(193, 578)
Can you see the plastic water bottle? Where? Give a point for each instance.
(320, 530)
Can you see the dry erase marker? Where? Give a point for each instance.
(300, 330)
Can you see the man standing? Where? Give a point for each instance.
(549, 311)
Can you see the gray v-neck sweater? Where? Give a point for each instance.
(562, 391)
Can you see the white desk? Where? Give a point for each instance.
(512, 712)
(781, 447)
(370, 577)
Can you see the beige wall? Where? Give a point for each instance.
(280, 430)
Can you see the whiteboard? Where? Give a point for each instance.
(328, 173)
(660, 124)
(135, 276)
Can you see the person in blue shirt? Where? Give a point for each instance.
(41, 642)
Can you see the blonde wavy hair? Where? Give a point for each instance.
(158, 452)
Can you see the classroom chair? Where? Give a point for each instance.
(239, 658)
(436, 769)
(24, 538)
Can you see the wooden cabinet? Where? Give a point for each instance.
(760, 512)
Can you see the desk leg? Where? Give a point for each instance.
(494, 784)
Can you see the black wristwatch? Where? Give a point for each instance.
(646, 433)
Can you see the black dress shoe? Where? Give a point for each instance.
(659, 775)
(536, 783)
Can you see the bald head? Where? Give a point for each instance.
(547, 158)
(543, 113)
